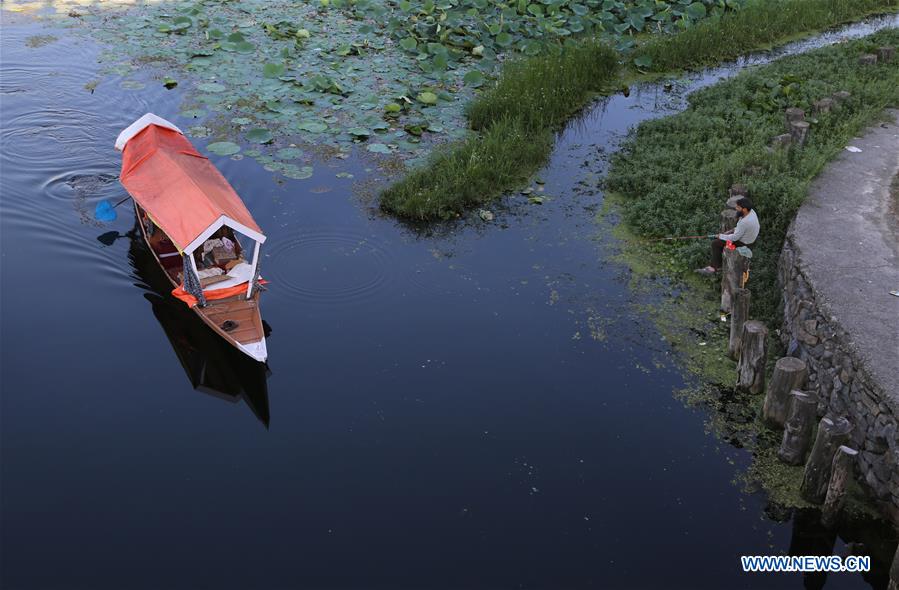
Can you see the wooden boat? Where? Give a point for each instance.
(197, 228)
(213, 366)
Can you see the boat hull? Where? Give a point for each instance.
(240, 315)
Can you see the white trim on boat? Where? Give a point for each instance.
(223, 220)
(256, 350)
(141, 124)
(253, 266)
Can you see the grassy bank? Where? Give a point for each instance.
(671, 178)
(759, 23)
(515, 119)
(674, 173)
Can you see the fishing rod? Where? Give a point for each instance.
(704, 236)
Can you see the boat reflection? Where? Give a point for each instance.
(212, 365)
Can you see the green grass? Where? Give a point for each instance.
(467, 174)
(759, 23)
(515, 120)
(674, 173)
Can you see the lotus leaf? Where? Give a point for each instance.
(311, 126)
(297, 172)
(272, 70)
(643, 62)
(223, 148)
(504, 39)
(428, 98)
(182, 23)
(259, 135)
(474, 78)
(696, 10)
(289, 153)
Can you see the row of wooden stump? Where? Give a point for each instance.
(798, 128)
(829, 460)
(787, 405)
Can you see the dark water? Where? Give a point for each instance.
(476, 407)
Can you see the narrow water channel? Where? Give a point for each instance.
(474, 406)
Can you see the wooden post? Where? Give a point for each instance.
(894, 572)
(799, 428)
(739, 314)
(840, 96)
(782, 140)
(735, 266)
(823, 106)
(789, 373)
(799, 132)
(728, 220)
(867, 60)
(793, 115)
(885, 54)
(737, 191)
(840, 474)
(753, 355)
(831, 434)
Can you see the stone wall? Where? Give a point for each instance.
(839, 376)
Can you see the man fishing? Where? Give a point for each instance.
(744, 234)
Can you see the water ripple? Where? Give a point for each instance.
(329, 266)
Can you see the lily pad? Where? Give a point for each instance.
(643, 62)
(504, 39)
(271, 70)
(182, 23)
(223, 148)
(696, 10)
(473, 78)
(241, 121)
(428, 98)
(259, 135)
(378, 148)
(289, 153)
(409, 44)
(198, 131)
(298, 172)
(311, 126)
(359, 132)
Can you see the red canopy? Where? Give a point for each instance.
(182, 191)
